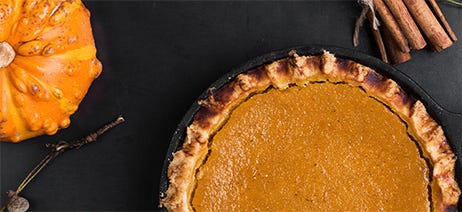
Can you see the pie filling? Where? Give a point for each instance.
(324, 146)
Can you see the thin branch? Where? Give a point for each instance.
(60, 147)
(458, 3)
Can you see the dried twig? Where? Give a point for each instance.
(458, 3)
(56, 149)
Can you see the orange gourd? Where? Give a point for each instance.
(47, 63)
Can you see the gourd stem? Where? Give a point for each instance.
(7, 54)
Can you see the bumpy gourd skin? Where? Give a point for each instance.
(53, 66)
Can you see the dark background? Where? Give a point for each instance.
(158, 58)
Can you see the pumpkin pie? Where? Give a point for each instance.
(312, 133)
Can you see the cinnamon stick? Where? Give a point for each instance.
(395, 56)
(409, 27)
(390, 23)
(433, 30)
(378, 37)
(442, 19)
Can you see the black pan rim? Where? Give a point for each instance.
(409, 85)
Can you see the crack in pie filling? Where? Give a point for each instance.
(312, 133)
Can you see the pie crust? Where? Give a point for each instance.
(298, 70)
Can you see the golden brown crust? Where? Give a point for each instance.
(300, 71)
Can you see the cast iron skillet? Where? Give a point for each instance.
(450, 121)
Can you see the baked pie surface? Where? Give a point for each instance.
(312, 133)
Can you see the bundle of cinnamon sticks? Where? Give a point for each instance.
(403, 26)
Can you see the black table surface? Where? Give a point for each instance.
(158, 58)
